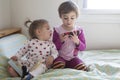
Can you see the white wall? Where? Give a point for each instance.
(5, 14)
(34, 9)
(102, 36)
(101, 31)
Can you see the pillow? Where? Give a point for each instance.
(9, 45)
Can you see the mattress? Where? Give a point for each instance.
(9, 45)
(104, 65)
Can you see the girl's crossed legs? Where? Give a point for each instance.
(74, 63)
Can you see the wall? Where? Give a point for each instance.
(5, 14)
(102, 35)
(34, 9)
(101, 31)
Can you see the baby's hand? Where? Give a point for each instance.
(49, 61)
(14, 58)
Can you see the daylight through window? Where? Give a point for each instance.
(101, 4)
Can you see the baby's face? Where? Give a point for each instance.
(45, 32)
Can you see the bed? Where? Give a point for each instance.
(104, 64)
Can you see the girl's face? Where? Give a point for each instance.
(69, 20)
(45, 32)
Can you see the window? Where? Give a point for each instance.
(102, 4)
(99, 11)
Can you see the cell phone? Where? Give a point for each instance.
(71, 33)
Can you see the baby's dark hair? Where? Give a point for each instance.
(34, 25)
(67, 7)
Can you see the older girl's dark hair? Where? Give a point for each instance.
(67, 7)
(34, 25)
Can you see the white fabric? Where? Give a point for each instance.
(38, 70)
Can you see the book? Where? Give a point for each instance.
(16, 66)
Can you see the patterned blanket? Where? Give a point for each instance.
(104, 65)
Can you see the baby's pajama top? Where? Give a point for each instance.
(34, 52)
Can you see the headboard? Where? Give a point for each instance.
(9, 31)
(11, 40)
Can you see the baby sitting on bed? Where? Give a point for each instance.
(38, 53)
